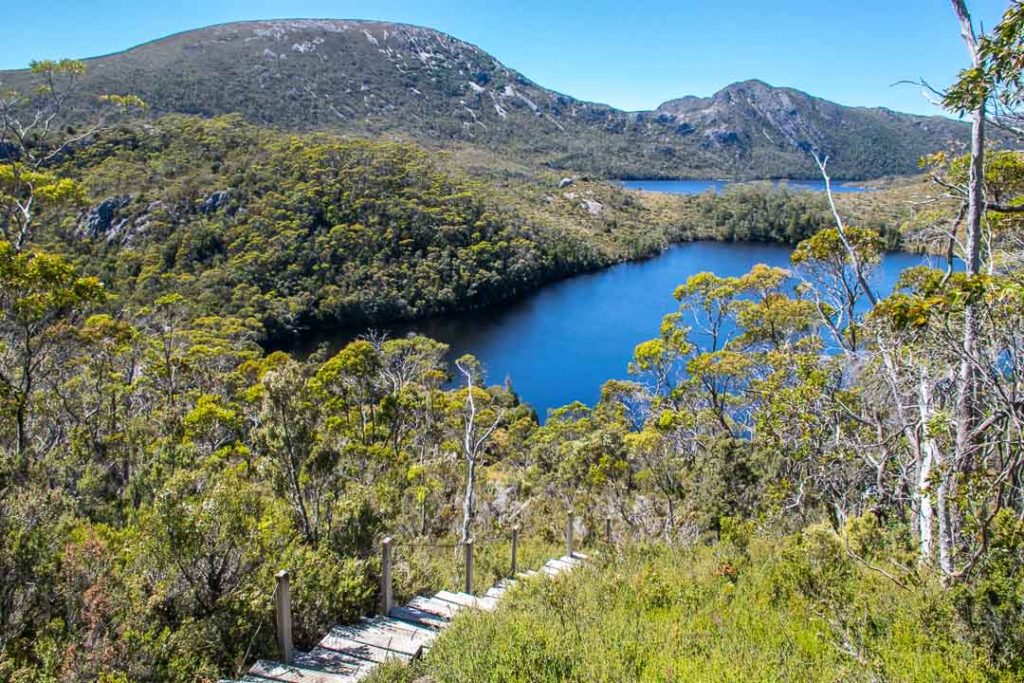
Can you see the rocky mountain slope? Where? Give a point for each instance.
(372, 78)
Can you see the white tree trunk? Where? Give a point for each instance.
(467, 502)
(929, 455)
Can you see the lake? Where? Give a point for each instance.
(699, 186)
(562, 342)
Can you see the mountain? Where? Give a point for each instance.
(375, 78)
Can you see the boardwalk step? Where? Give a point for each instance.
(435, 606)
(418, 617)
(330, 661)
(350, 653)
(386, 634)
(294, 673)
(467, 600)
(353, 648)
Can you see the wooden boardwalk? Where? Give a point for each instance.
(349, 653)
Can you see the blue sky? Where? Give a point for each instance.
(633, 55)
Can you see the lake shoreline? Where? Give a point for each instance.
(560, 342)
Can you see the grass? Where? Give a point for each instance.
(428, 568)
(778, 610)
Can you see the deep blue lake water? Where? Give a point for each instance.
(699, 186)
(564, 341)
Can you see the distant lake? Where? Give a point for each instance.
(700, 186)
(565, 340)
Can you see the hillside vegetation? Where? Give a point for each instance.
(313, 231)
(797, 608)
(300, 231)
(810, 481)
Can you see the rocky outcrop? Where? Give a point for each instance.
(214, 201)
(102, 220)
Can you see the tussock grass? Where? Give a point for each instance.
(791, 610)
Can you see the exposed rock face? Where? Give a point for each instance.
(594, 208)
(100, 220)
(564, 183)
(214, 201)
(779, 114)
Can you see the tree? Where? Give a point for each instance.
(36, 129)
(479, 417)
(41, 299)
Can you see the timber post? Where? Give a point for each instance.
(283, 610)
(515, 550)
(568, 535)
(386, 596)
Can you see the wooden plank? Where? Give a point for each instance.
(384, 633)
(467, 600)
(528, 574)
(293, 673)
(324, 659)
(505, 583)
(570, 559)
(550, 571)
(401, 625)
(441, 608)
(418, 617)
(353, 648)
(495, 592)
(559, 565)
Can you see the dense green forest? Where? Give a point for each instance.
(313, 231)
(799, 489)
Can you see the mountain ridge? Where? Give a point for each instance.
(373, 78)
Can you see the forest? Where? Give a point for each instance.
(802, 486)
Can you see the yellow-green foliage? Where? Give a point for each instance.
(795, 609)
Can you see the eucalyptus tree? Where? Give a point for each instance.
(42, 297)
(478, 414)
(37, 128)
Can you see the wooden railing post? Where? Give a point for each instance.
(467, 549)
(608, 529)
(283, 609)
(515, 549)
(568, 535)
(386, 597)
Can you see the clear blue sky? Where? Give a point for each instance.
(631, 54)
